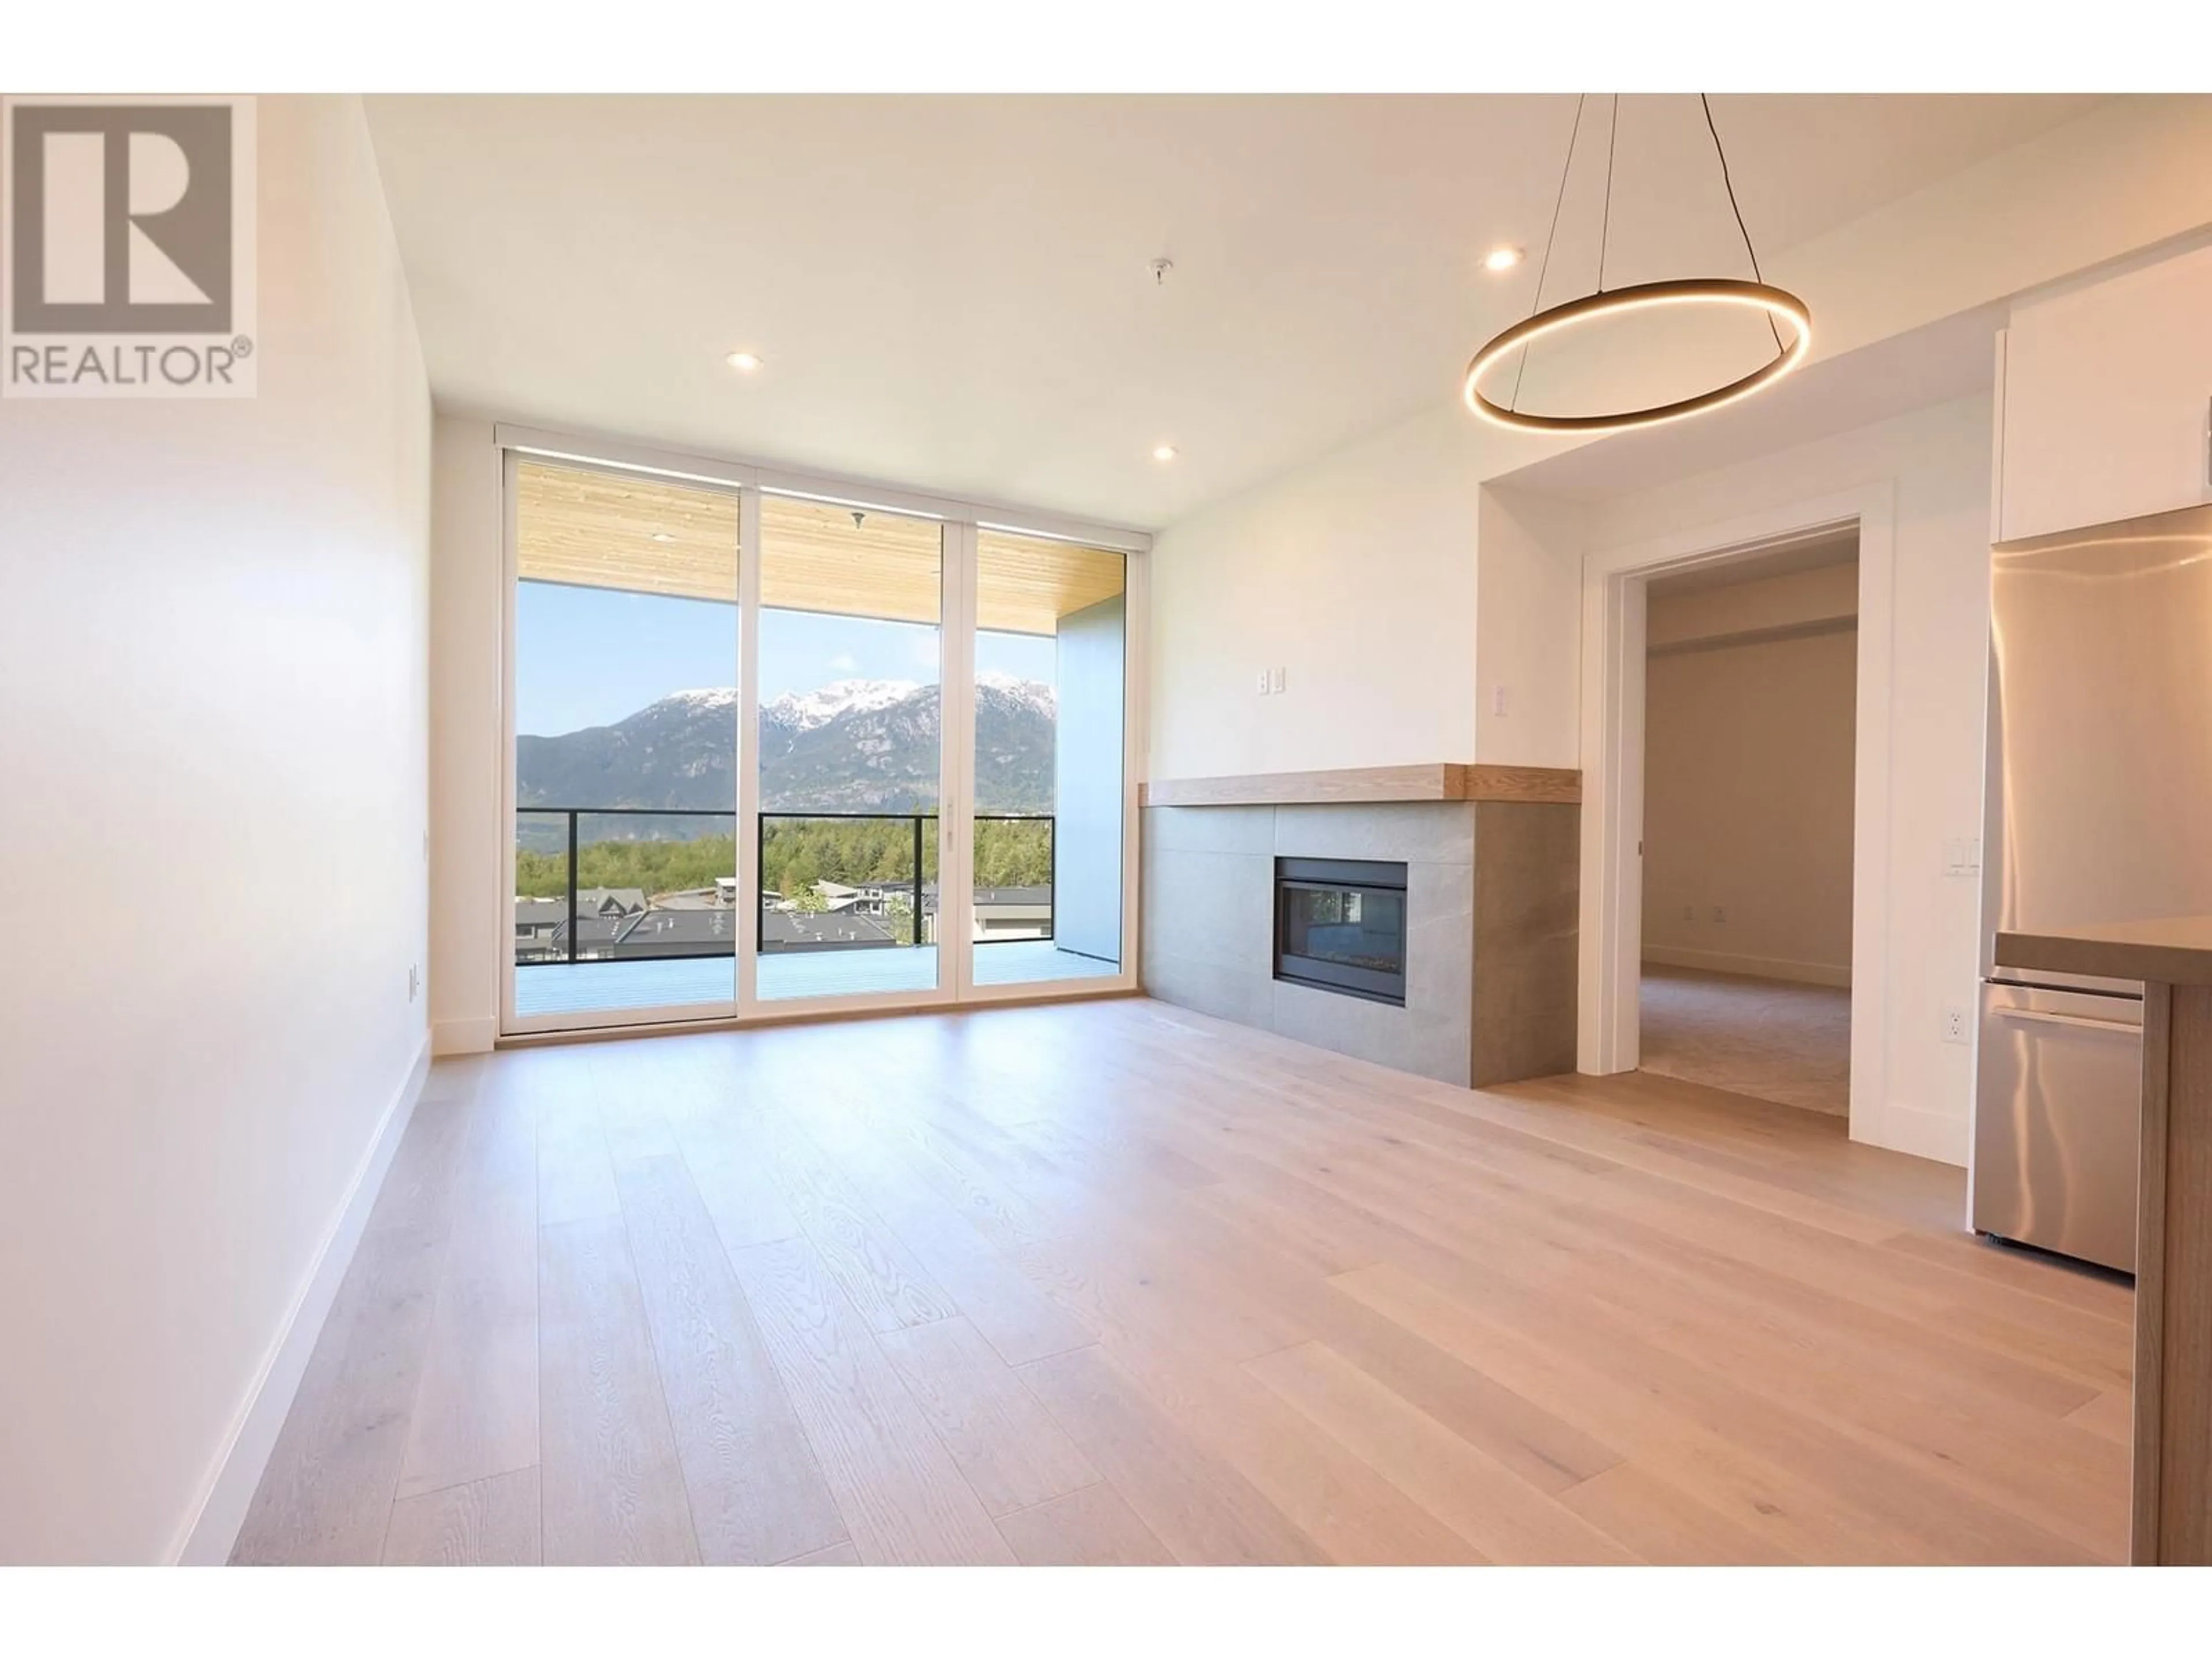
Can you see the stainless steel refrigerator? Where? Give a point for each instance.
(2098, 809)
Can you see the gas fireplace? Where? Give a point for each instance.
(1340, 925)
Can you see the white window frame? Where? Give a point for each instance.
(962, 518)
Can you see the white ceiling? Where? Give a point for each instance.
(952, 293)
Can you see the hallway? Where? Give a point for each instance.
(1768, 1038)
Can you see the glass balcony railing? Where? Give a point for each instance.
(638, 885)
(623, 884)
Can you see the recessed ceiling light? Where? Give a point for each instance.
(1163, 451)
(743, 362)
(1501, 258)
(662, 535)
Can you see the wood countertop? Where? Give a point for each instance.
(2172, 1460)
(2168, 950)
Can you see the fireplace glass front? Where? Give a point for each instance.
(1340, 925)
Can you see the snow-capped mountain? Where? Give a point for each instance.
(1035, 694)
(853, 746)
(809, 709)
(706, 700)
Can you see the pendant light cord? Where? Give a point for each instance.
(1605, 220)
(1551, 237)
(1706, 103)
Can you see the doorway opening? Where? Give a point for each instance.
(1750, 733)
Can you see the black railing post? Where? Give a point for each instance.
(1052, 875)
(760, 880)
(917, 879)
(572, 885)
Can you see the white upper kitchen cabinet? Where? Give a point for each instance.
(2107, 394)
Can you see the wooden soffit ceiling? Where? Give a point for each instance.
(613, 530)
(1025, 584)
(639, 535)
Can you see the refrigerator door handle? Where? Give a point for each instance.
(2045, 1017)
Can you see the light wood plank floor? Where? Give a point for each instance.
(1112, 1282)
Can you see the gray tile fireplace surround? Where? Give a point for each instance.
(1490, 911)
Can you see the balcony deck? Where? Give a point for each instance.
(615, 987)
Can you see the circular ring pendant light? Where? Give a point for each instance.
(1778, 306)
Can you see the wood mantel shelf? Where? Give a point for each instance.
(1428, 781)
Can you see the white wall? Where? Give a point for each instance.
(213, 656)
(1937, 463)
(467, 610)
(1528, 628)
(1357, 576)
(1358, 570)
(1748, 777)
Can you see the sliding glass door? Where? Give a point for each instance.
(772, 752)
(624, 704)
(851, 751)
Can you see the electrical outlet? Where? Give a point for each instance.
(1263, 681)
(1278, 680)
(1500, 701)
(1954, 1023)
(1720, 913)
(414, 982)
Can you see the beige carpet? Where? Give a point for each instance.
(1764, 1037)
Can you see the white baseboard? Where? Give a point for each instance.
(1923, 1134)
(1718, 961)
(464, 1036)
(211, 1530)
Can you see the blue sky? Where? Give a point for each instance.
(588, 656)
